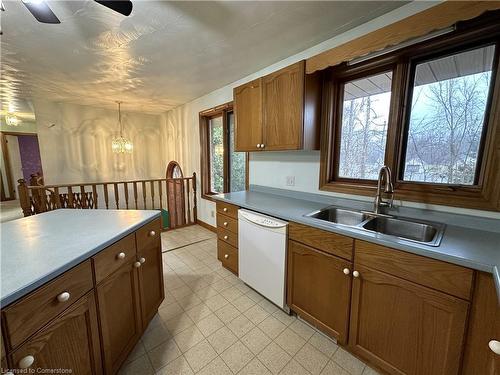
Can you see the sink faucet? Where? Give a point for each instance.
(384, 173)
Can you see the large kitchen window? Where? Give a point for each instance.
(429, 111)
(223, 169)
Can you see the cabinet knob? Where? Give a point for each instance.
(346, 271)
(152, 233)
(262, 145)
(63, 297)
(355, 273)
(226, 256)
(137, 264)
(258, 145)
(494, 346)
(226, 237)
(225, 224)
(225, 209)
(142, 260)
(26, 362)
(121, 255)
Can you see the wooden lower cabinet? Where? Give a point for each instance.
(70, 341)
(406, 328)
(318, 289)
(119, 315)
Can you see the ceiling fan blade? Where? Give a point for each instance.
(121, 6)
(41, 11)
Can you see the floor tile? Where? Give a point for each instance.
(256, 340)
(256, 314)
(137, 352)
(240, 325)
(209, 324)
(272, 326)
(332, 368)
(198, 312)
(178, 323)
(188, 338)
(178, 366)
(216, 367)
(237, 356)
(200, 355)
(294, 368)
(370, 371)
(268, 306)
(227, 313)
(302, 329)
(216, 302)
(222, 339)
(274, 358)
(311, 359)
(284, 318)
(290, 341)
(189, 301)
(253, 295)
(243, 303)
(170, 311)
(324, 344)
(155, 336)
(231, 293)
(347, 361)
(140, 365)
(254, 367)
(164, 354)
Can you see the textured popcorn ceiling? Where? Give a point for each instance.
(163, 55)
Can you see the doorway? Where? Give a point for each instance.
(20, 158)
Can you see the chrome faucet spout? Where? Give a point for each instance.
(384, 175)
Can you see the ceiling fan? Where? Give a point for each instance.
(42, 12)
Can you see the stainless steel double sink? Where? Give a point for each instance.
(424, 232)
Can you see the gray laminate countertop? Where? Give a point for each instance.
(36, 249)
(467, 241)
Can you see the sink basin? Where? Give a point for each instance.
(428, 233)
(339, 216)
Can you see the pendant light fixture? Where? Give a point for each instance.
(121, 145)
(12, 120)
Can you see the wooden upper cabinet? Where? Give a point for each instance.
(280, 111)
(406, 328)
(283, 102)
(120, 315)
(318, 289)
(248, 115)
(70, 341)
(151, 270)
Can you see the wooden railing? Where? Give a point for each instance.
(176, 195)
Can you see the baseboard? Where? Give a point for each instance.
(206, 226)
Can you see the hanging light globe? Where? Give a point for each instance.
(12, 120)
(121, 145)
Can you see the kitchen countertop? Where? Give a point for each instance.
(36, 249)
(467, 241)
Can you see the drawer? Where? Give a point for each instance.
(227, 236)
(328, 242)
(110, 259)
(442, 276)
(227, 209)
(228, 255)
(148, 234)
(227, 223)
(26, 316)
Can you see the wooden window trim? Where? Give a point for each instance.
(204, 118)
(486, 194)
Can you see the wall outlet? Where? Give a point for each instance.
(290, 180)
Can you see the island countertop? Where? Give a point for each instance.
(36, 249)
(467, 241)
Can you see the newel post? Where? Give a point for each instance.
(195, 210)
(24, 197)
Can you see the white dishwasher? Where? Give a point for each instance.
(262, 242)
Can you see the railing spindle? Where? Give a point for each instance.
(188, 202)
(116, 196)
(195, 209)
(24, 197)
(152, 185)
(160, 192)
(135, 195)
(70, 197)
(58, 197)
(106, 198)
(94, 194)
(125, 189)
(144, 193)
(83, 197)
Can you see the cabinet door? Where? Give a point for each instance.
(318, 289)
(283, 108)
(120, 315)
(150, 273)
(248, 112)
(406, 328)
(70, 341)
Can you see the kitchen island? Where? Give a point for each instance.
(78, 288)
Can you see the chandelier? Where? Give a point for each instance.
(121, 145)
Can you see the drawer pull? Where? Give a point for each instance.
(494, 346)
(120, 255)
(355, 274)
(26, 362)
(137, 264)
(346, 271)
(225, 209)
(152, 233)
(226, 237)
(225, 224)
(226, 256)
(63, 297)
(142, 260)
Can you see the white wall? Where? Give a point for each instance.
(75, 144)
